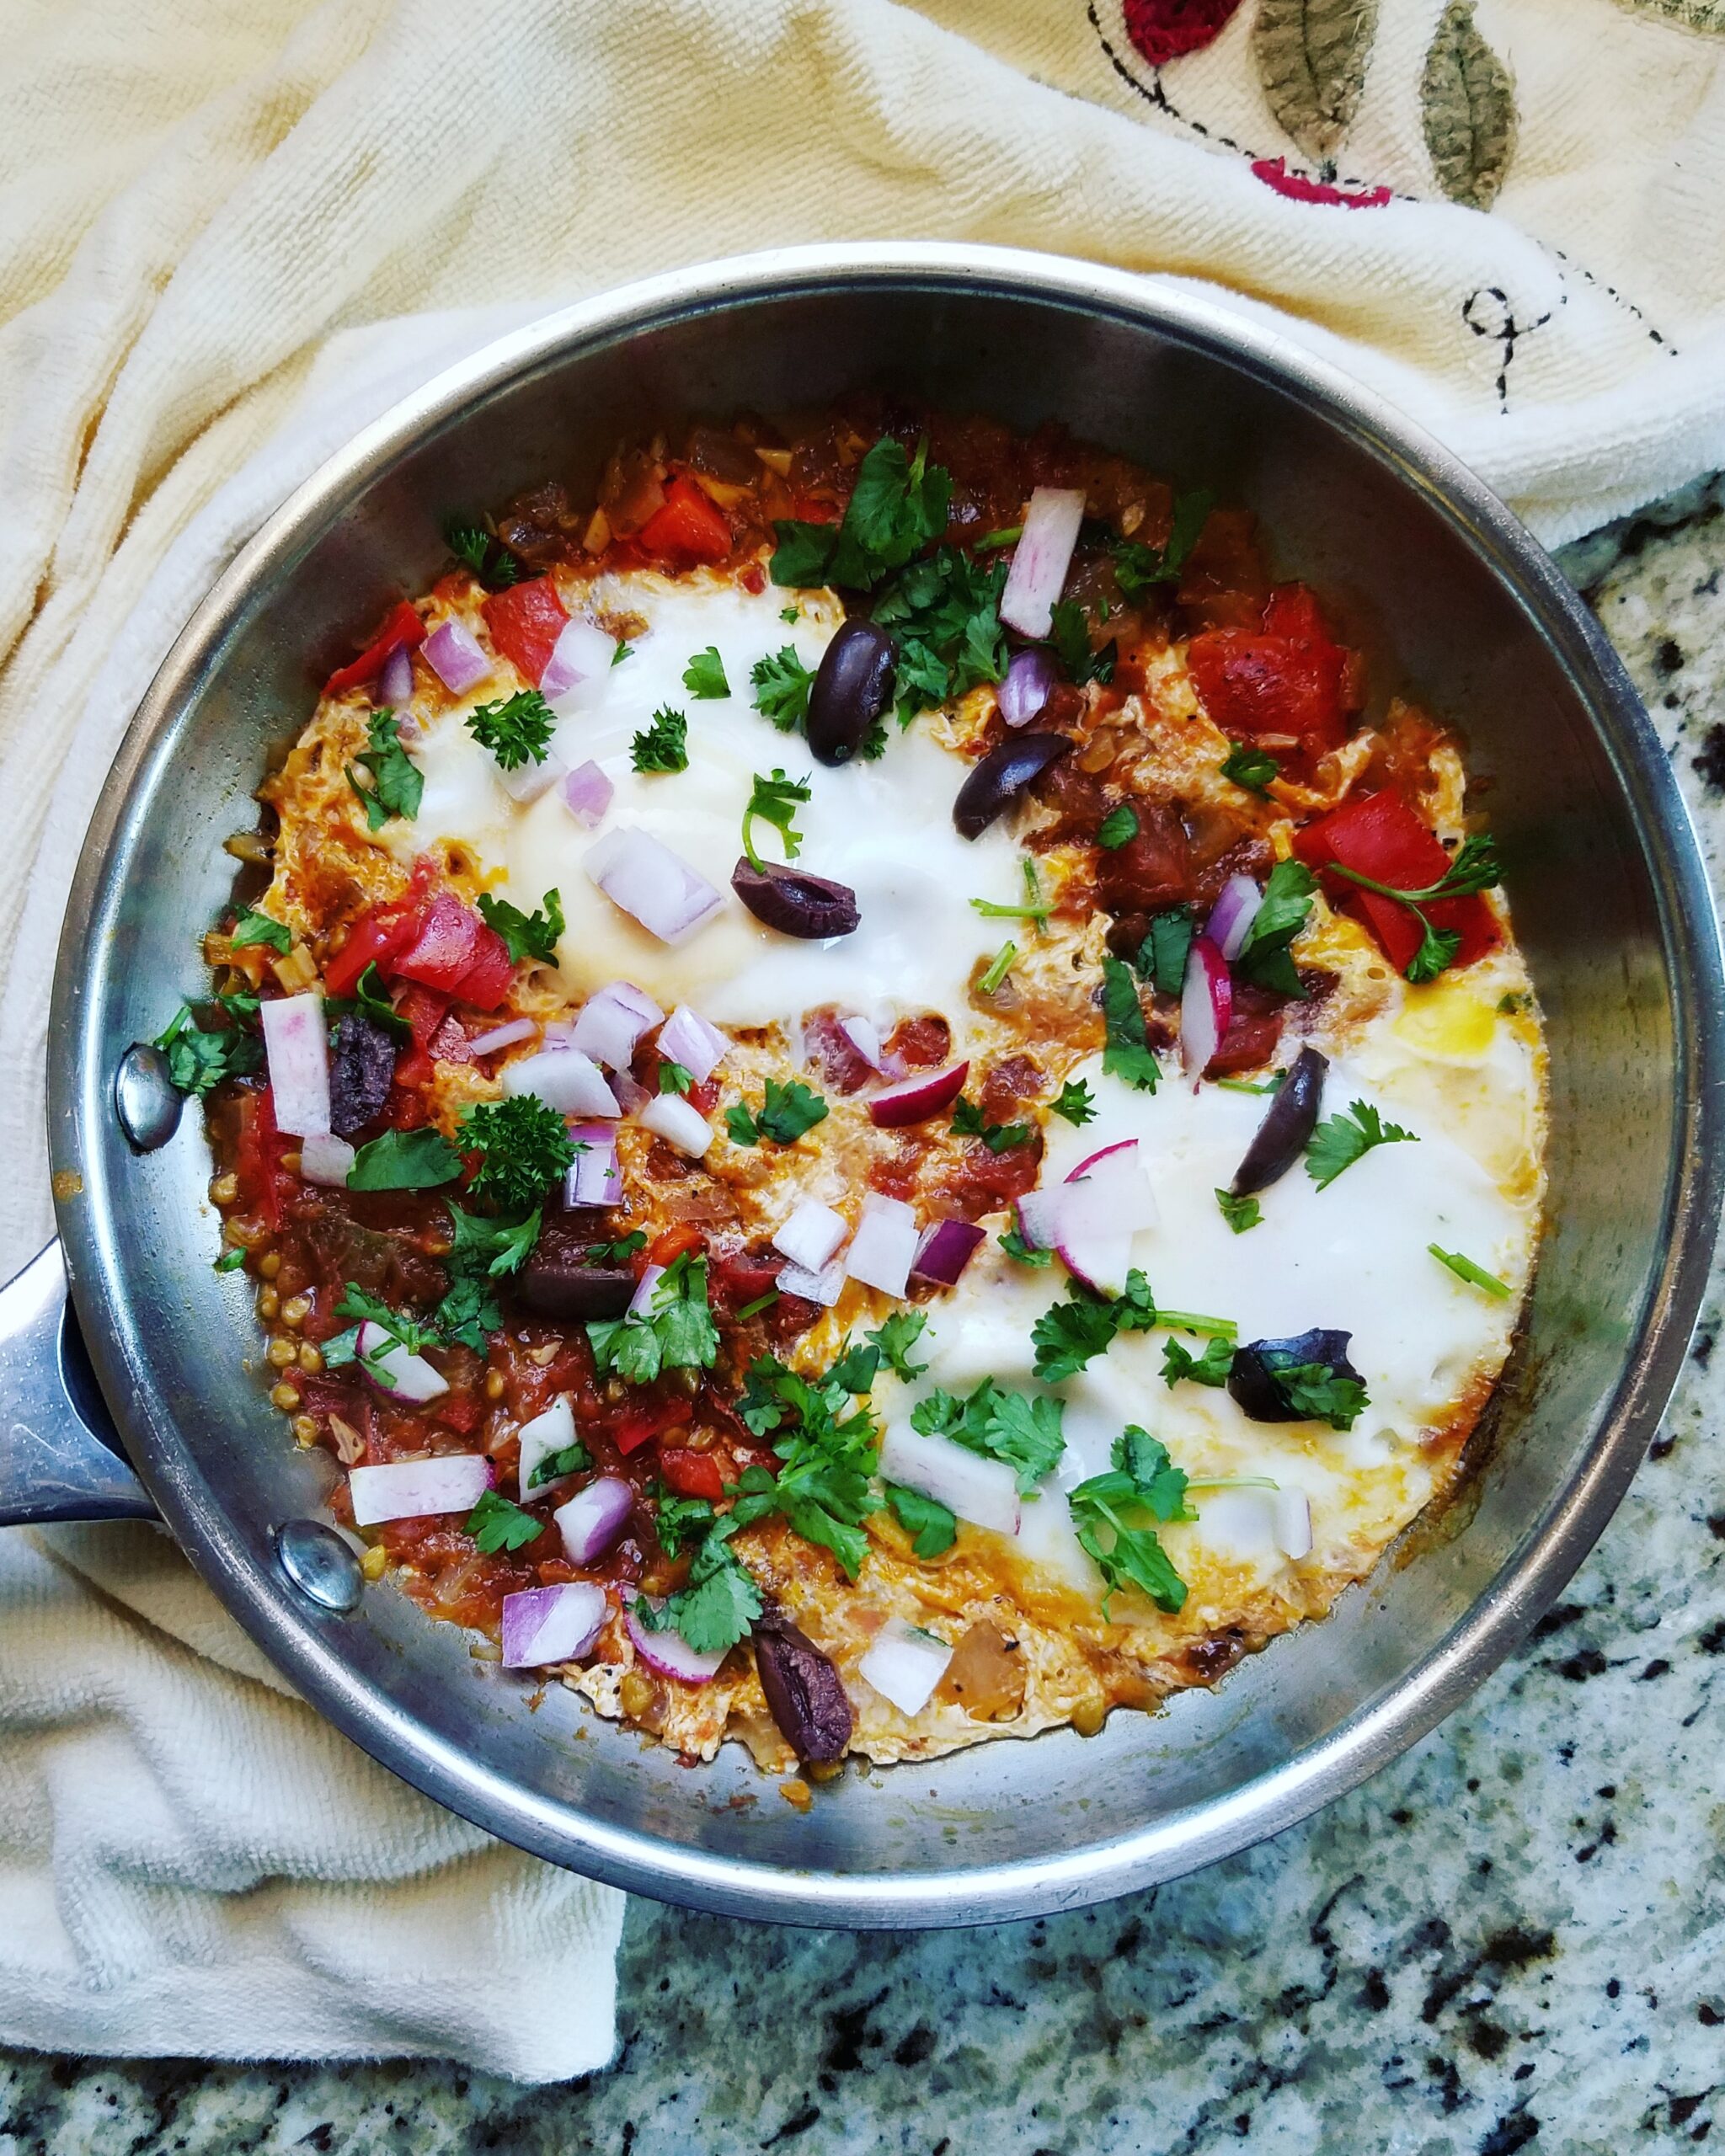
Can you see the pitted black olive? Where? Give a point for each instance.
(796, 904)
(1254, 1379)
(852, 691)
(805, 1695)
(556, 1286)
(362, 1072)
(1002, 775)
(1282, 1135)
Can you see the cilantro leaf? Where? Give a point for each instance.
(664, 746)
(742, 1126)
(896, 1336)
(898, 504)
(787, 1111)
(1014, 1245)
(1070, 634)
(829, 1455)
(517, 730)
(1341, 1140)
(1210, 1368)
(397, 783)
(1475, 868)
(674, 1077)
(781, 684)
(1076, 1102)
(1107, 1512)
(523, 1145)
(1118, 827)
(493, 1247)
(1475, 1276)
(856, 1370)
(1127, 1053)
(704, 675)
(775, 800)
(1001, 1425)
(405, 1160)
(1251, 768)
(1240, 1213)
(677, 1520)
(1137, 566)
(933, 1528)
(571, 1461)
(1162, 955)
(675, 1332)
(1325, 1395)
(720, 1603)
(371, 1000)
(802, 553)
(970, 1122)
(944, 614)
(253, 927)
(495, 1525)
(1069, 1334)
(528, 935)
(1265, 956)
(199, 1058)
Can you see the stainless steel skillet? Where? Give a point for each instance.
(1610, 900)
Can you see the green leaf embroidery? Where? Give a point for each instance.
(1468, 107)
(1312, 57)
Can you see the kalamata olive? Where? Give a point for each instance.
(853, 688)
(796, 904)
(805, 1695)
(1002, 775)
(1253, 1381)
(362, 1072)
(1282, 1135)
(556, 1285)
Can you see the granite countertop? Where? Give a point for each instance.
(1513, 1934)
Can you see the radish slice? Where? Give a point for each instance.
(904, 1665)
(1103, 1202)
(642, 1301)
(594, 1518)
(578, 668)
(565, 1079)
(1292, 1527)
(612, 1021)
(1039, 1218)
(416, 1489)
(824, 1286)
(669, 1653)
(1028, 684)
(594, 1177)
(914, 1100)
(647, 881)
(587, 793)
(326, 1160)
(526, 783)
(395, 1369)
(504, 1036)
(946, 1249)
(543, 1625)
(1206, 1005)
(985, 1491)
(883, 1248)
(810, 1235)
(688, 1040)
(551, 1432)
(669, 1117)
(456, 657)
(1041, 558)
(395, 684)
(297, 1048)
(1231, 916)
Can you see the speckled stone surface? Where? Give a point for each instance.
(1515, 1935)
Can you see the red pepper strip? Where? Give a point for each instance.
(691, 1474)
(670, 1246)
(258, 1153)
(487, 981)
(638, 1424)
(1381, 836)
(525, 621)
(404, 626)
(373, 939)
(446, 948)
(688, 528)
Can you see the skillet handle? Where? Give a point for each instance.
(59, 1453)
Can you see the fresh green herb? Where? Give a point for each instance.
(1118, 828)
(1210, 1368)
(1108, 1513)
(1000, 1425)
(1127, 1053)
(253, 927)
(1475, 1276)
(1240, 1213)
(704, 675)
(944, 614)
(1137, 566)
(517, 730)
(787, 1111)
(1264, 956)
(829, 1454)
(1163, 953)
(1014, 1245)
(623, 651)
(782, 685)
(1008, 534)
(1035, 908)
(495, 565)
(970, 1122)
(231, 1260)
(674, 1077)
(664, 746)
(1272, 1084)
(528, 935)
(482, 1251)
(1076, 1102)
(675, 1332)
(1251, 768)
(199, 1058)
(720, 1603)
(998, 967)
(793, 614)
(400, 1329)
(370, 1000)
(495, 1525)
(405, 1159)
(856, 1370)
(932, 1528)
(1070, 634)
(1071, 1334)
(573, 1459)
(775, 800)
(761, 1303)
(898, 505)
(397, 782)
(617, 1253)
(896, 1336)
(678, 1520)
(1475, 868)
(1316, 1390)
(523, 1145)
(1342, 1140)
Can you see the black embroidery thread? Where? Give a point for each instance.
(1507, 331)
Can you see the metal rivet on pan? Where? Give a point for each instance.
(320, 1565)
(144, 1098)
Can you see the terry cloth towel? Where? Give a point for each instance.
(1502, 214)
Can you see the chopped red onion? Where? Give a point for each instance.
(1206, 1005)
(914, 1100)
(679, 1123)
(504, 1036)
(1041, 558)
(545, 1625)
(612, 1021)
(594, 1177)
(884, 1246)
(642, 1301)
(594, 1518)
(983, 1492)
(904, 1665)
(552, 1431)
(688, 1040)
(1028, 683)
(1292, 1528)
(587, 795)
(647, 881)
(526, 783)
(824, 1286)
(455, 657)
(563, 1079)
(396, 1370)
(578, 667)
(1231, 916)
(669, 1652)
(296, 1047)
(326, 1160)
(631, 1096)
(416, 1489)
(810, 1235)
(395, 684)
(946, 1249)
(1103, 1202)
(864, 1036)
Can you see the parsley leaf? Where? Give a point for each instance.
(1251, 768)
(1070, 634)
(721, 1602)
(1014, 1245)
(397, 782)
(968, 1120)
(742, 1126)
(371, 1000)
(1337, 1142)
(775, 800)
(1474, 869)
(482, 1251)
(496, 566)
(1118, 827)
(781, 684)
(198, 1059)
(829, 1455)
(664, 746)
(1210, 1368)
(495, 1525)
(933, 1528)
(677, 1520)
(944, 614)
(405, 1160)
(674, 1077)
(675, 1332)
(528, 935)
(1127, 1053)
(1314, 1388)
(523, 1145)
(1265, 956)
(1068, 1335)
(516, 730)
(1240, 1213)
(787, 1111)
(704, 675)
(896, 1336)
(253, 927)
(898, 504)
(1162, 955)
(1475, 1276)
(1001, 1425)
(1137, 566)
(571, 1461)
(1108, 1512)
(231, 1260)
(1076, 1102)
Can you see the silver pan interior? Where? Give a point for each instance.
(1608, 898)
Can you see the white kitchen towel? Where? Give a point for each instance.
(1503, 214)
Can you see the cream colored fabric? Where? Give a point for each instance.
(203, 205)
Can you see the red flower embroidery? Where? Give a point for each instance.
(1273, 172)
(1162, 29)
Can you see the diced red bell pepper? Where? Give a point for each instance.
(372, 940)
(691, 1474)
(425, 1011)
(461, 1412)
(402, 626)
(688, 528)
(446, 948)
(258, 1156)
(486, 982)
(638, 1425)
(1382, 837)
(1289, 678)
(525, 621)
